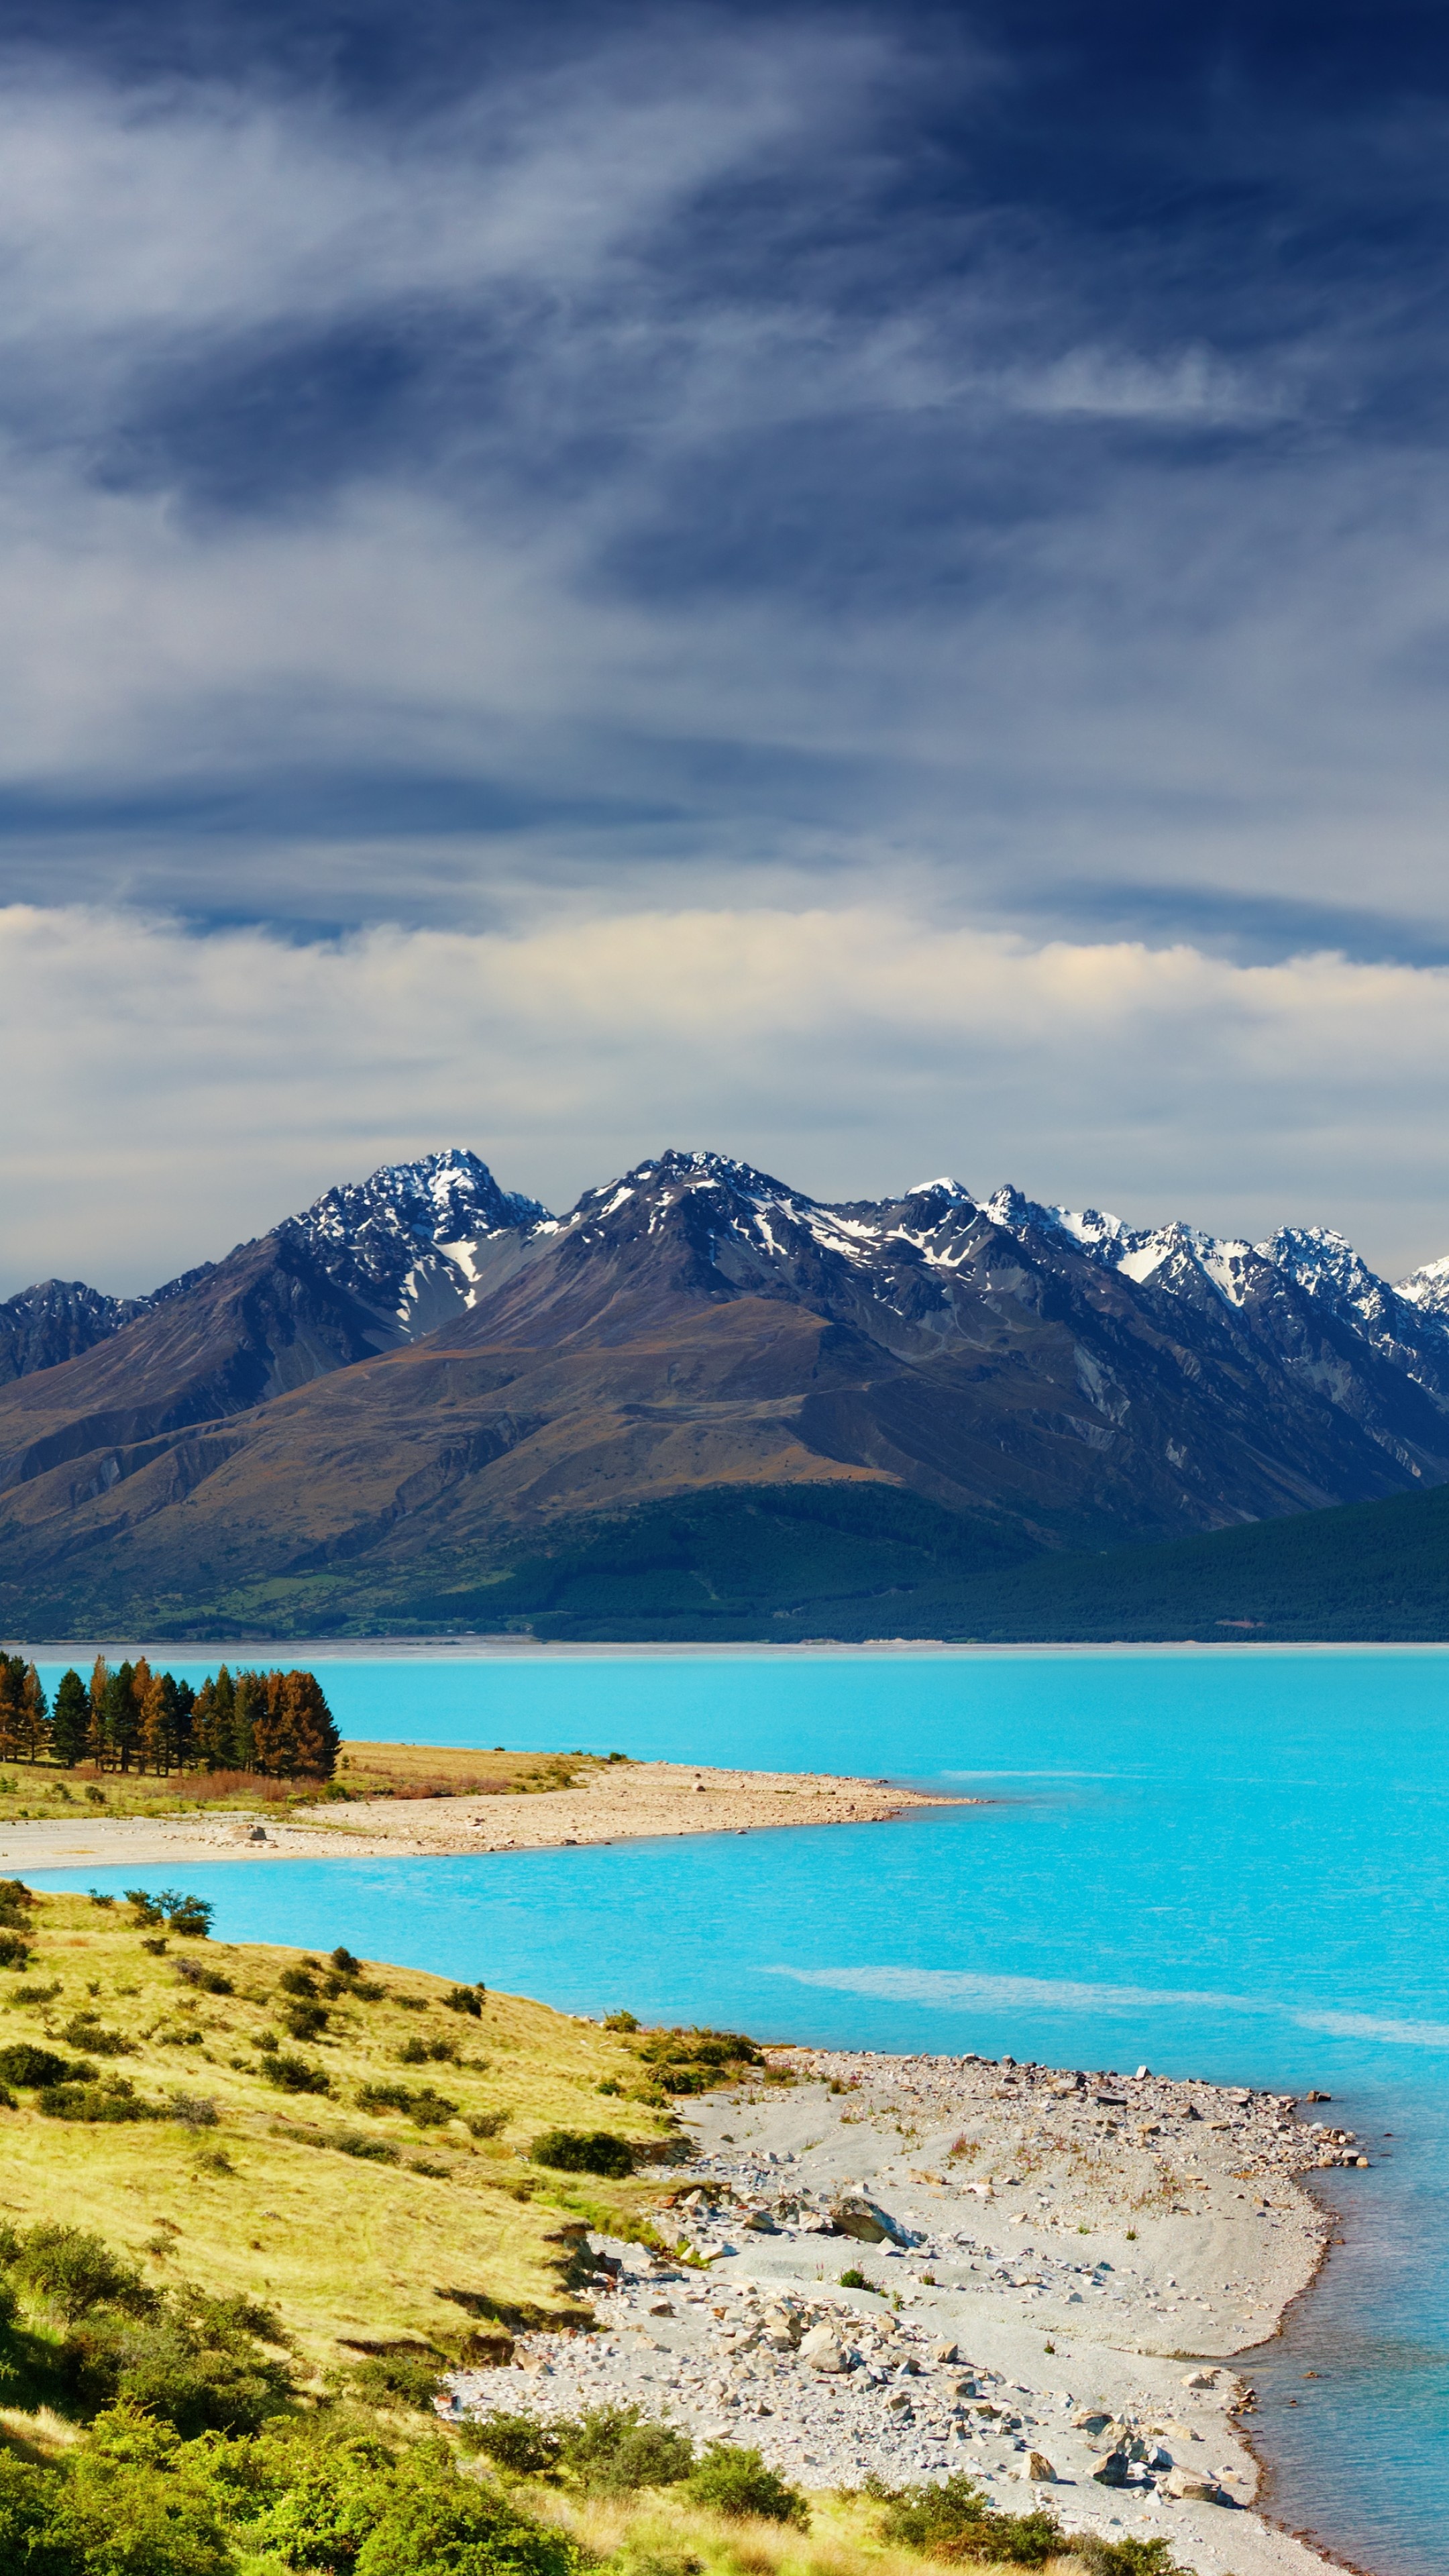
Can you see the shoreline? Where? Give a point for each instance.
(449, 1646)
(624, 1802)
(1059, 2269)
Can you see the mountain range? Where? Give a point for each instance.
(424, 1399)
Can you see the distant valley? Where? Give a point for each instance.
(703, 1403)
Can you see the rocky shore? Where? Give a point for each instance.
(617, 1802)
(903, 2268)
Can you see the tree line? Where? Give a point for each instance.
(128, 1718)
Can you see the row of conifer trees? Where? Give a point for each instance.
(129, 1718)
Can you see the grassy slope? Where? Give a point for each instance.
(45, 1789)
(344, 2249)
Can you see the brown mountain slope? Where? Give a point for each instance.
(672, 1335)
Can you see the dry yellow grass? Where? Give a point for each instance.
(363, 1771)
(350, 2252)
(665, 2529)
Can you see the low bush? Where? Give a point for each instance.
(194, 2110)
(356, 2142)
(425, 2052)
(1125, 2557)
(298, 1981)
(487, 2124)
(737, 2482)
(393, 2378)
(305, 2021)
(591, 2151)
(614, 2450)
(344, 1962)
(16, 1904)
(854, 2280)
(954, 2521)
(36, 1994)
(464, 1999)
(195, 2364)
(83, 2030)
(513, 2442)
(115, 2100)
(70, 2270)
(208, 1981)
(295, 2074)
(21, 2063)
(14, 1950)
(428, 2108)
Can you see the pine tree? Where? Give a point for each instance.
(98, 1741)
(70, 1721)
(122, 1717)
(249, 1710)
(34, 1715)
(185, 1723)
(155, 1740)
(314, 1738)
(12, 1679)
(140, 1684)
(271, 1731)
(215, 1712)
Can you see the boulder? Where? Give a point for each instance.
(1109, 2469)
(1190, 2486)
(854, 2215)
(1091, 2419)
(1037, 2469)
(944, 2352)
(822, 2350)
(1201, 2379)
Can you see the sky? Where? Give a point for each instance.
(867, 587)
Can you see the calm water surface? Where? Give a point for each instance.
(1232, 1865)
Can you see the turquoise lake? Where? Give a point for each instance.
(1230, 1864)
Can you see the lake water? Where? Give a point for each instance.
(1230, 1864)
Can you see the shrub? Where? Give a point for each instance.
(1126, 2557)
(208, 1981)
(737, 2482)
(194, 2110)
(853, 2280)
(428, 2108)
(196, 2365)
(432, 2522)
(464, 1999)
(16, 1903)
(955, 2521)
(426, 2052)
(486, 2124)
(115, 2100)
(373, 2151)
(295, 2074)
(36, 1994)
(387, 2378)
(84, 2031)
(513, 2442)
(614, 2450)
(21, 2063)
(621, 2021)
(344, 1962)
(592, 2151)
(305, 2021)
(188, 1915)
(298, 1981)
(14, 1950)
(70, 2271)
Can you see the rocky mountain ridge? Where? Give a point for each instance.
(422, 1369)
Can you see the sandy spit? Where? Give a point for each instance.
(1070, 2265)
(622, 1802)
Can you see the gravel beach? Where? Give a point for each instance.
(1056, 2267)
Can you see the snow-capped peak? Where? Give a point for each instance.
(1427, 1287)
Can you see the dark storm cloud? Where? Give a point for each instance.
(708, 448)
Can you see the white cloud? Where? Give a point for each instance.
(169, 1093)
